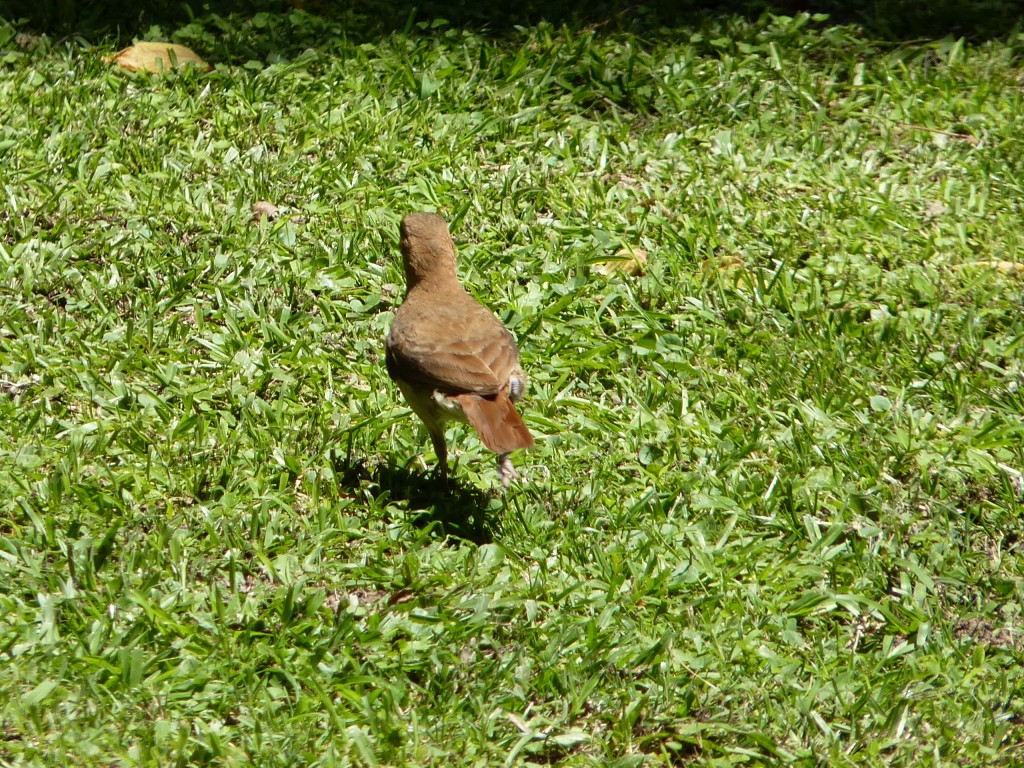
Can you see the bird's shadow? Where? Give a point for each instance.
(451, 509)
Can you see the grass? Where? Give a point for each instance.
(774, 513)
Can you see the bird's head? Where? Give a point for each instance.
(428, 251)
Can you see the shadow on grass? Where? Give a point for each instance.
(457, 510)
(367, 20)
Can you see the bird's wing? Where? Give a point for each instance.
(459, 347)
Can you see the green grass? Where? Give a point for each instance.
(775, 511)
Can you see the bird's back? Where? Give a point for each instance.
(451, 342)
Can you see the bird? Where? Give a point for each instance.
(449, 355)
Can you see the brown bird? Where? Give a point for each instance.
(450, 356)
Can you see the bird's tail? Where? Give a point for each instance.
(496, 420)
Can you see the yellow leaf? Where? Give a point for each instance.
(1006, 267)
(725, 263)
(631, 261)
(156, 57)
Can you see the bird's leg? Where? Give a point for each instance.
(441, 449)
(506, 471)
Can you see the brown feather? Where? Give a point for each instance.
(496, 420)
(449, 341)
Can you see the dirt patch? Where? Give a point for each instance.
(982, 631)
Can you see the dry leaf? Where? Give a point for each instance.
(262, 208)
(724, 263)
(1006, 267)
(26, 40)
(401, 596)
(628, 260)
(156, 57)
(935, 209)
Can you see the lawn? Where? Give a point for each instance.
(774, 513)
